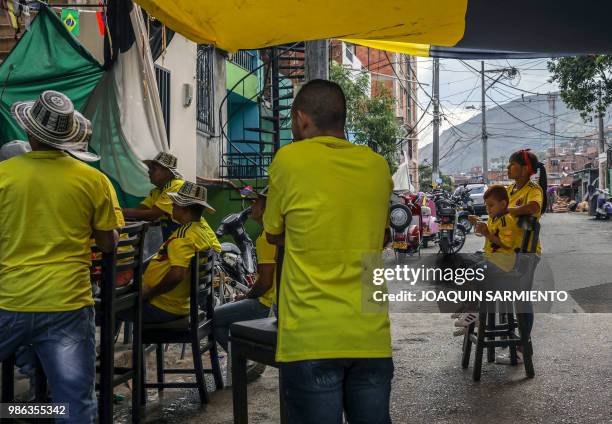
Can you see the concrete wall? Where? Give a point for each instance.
(208, 145)
(180, 59)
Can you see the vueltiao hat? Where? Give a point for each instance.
(52, 120)
(191, 194)
(168, 161)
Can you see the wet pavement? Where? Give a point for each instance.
(573, 357)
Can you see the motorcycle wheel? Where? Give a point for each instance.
(467, 225)
(459, 239)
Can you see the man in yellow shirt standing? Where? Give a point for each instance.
(51, 205)
(165, 177)
(328, 203)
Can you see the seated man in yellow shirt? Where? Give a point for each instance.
(258, 301)
(157, 205)
(166, 280)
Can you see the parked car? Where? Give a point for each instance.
(477, 195)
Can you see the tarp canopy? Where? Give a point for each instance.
(121, 101)
(438, 28)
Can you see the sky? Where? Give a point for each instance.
(460, 87)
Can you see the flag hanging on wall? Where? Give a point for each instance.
(70, 18)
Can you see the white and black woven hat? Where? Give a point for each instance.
(191, 194)
(166, 160)
(52, 120)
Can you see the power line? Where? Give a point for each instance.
(526, 123)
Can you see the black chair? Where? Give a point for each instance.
(8, 381)
(112, 300)
(192, 329)
(254, 340)
(491, 335)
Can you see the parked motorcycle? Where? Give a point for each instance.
(405, 223)
(464, 201)
(604, 206)
(237, 269)
(451, 234)
(237, 264)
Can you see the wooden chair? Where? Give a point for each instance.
(192, 329)
(491, 335)
(112, 300)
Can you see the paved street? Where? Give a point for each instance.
(573, 354)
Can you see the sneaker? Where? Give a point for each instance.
(460, 332)
(466, 319)
(504, 358)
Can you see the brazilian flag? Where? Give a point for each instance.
(70, 18)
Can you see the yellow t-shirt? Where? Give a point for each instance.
(50, 205)
(178, 251)
(509, 233)
(530, 192)
(159, 197)
(266, 255)
(331, 199)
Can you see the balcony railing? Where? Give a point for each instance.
(245, 59)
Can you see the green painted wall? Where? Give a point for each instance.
(247, 88)
(224, 201)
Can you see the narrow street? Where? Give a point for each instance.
(572, 356)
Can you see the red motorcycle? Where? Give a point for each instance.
(406, 225)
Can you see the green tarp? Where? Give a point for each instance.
(48, 57)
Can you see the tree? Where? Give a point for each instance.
(425, 181)
(370, 120)
(585, 83)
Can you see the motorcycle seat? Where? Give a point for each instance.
(230, 247)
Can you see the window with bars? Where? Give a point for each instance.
(205, 95)
(162, 76)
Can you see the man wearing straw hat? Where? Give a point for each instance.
(164, 175)
(51, 205)
(166, 280)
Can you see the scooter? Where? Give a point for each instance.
(405, 223)
(429, 227)
(604, 206)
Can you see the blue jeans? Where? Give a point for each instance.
(317, 391)
(65, 344)
(243, 310)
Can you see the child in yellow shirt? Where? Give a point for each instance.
(502, 239)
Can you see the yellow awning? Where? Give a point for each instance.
(436, 28)
(251, 24)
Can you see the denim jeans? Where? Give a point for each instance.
(317, 391)
(65, 344)
(243, 310)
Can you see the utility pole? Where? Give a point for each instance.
(435, 174)
(603, 160)
(316, 60)
(485, 166)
